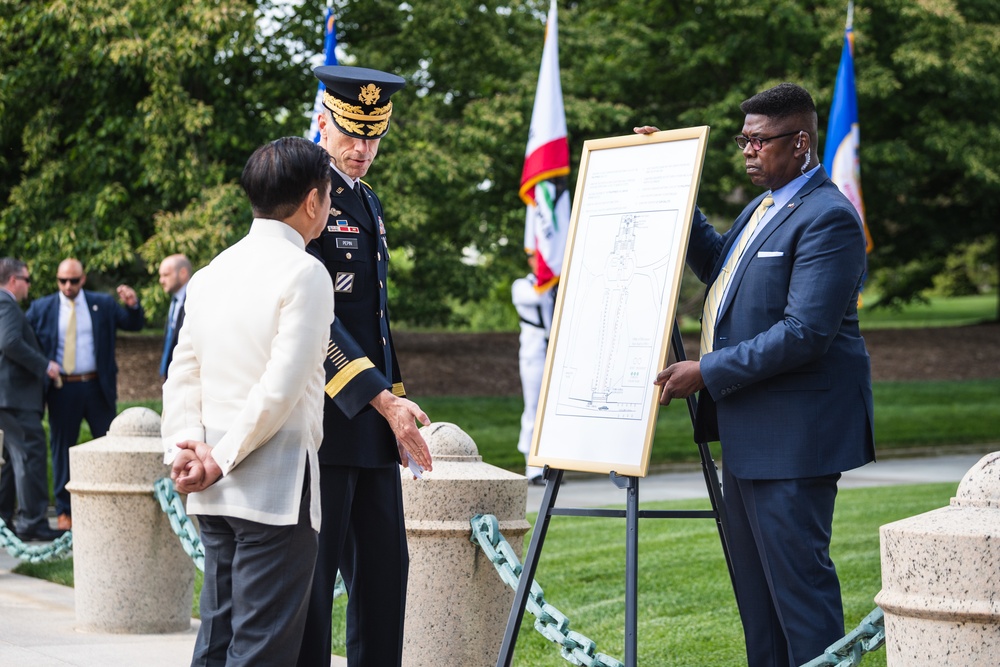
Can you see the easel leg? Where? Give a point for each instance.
(632, 574)
(631, 486)
(718, 506)
(553, 479)
(707, 464)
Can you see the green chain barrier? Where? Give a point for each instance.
(847, 652)
(180, 522)
(577, 649)
(41, 553)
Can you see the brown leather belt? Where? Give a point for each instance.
(84, 377)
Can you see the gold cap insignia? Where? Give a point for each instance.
(370, 94)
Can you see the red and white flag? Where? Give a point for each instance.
(546, 167)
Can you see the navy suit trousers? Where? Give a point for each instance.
(68, 407)
(787, 588)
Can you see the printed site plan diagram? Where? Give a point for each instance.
(621, 277)
(613, 342)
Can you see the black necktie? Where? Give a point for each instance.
(362, 197)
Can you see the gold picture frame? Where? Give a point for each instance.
(614, 314)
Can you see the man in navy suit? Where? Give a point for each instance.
(23, 371)
(87, 387)
(784, 377)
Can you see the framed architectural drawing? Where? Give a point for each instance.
(628, 235)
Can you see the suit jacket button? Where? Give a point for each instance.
(348, 255)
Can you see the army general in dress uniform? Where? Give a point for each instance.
(369, 427)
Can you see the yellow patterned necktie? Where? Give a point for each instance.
(69, 350)
(718, 288)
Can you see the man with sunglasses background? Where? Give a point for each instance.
(87, 387)
(784, 376)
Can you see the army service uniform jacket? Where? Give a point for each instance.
(361, 360)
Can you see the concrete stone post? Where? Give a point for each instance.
(131, 573)
(940, 584)
(456, 603)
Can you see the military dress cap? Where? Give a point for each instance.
(358, 98)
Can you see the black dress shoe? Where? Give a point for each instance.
(40, 534)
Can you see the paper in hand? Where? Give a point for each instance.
(414, 467)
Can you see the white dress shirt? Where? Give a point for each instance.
(247, 375)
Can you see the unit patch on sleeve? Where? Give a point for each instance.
(344, 282)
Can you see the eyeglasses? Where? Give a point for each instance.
(26, 279)
(758, 142)
(71, 281)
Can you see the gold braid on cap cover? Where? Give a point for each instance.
(346, 116)
(353, 111)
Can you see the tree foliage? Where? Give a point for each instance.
(124, 124)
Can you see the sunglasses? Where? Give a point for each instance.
(71, 281)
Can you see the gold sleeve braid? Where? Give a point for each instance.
(347, 369)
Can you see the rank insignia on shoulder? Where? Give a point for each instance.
(343, 228)
(339, 190)
(344, 282)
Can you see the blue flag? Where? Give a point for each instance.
(330, 48)
(843, 135)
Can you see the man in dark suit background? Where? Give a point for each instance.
(23, 369)
(175, 272)
(368, 425)
(88, 382)
(784, 376)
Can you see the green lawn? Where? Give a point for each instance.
(936, 312)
